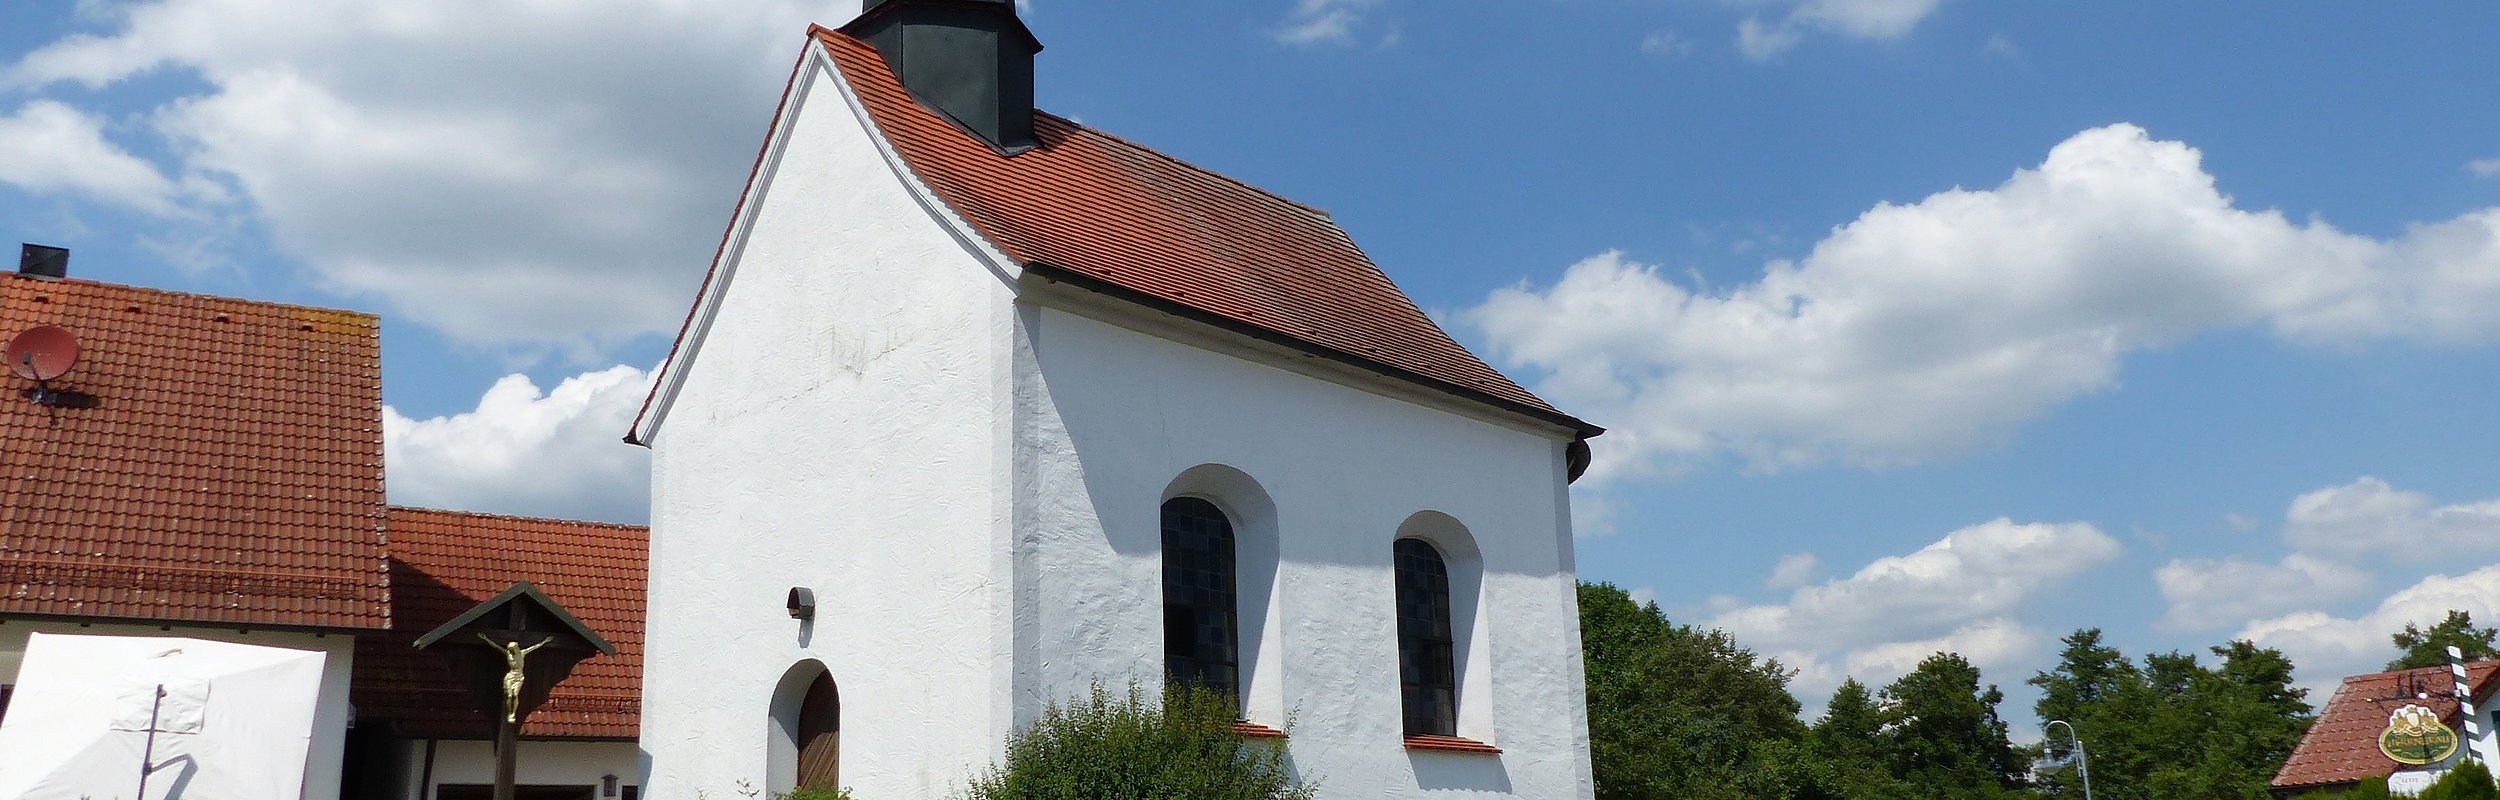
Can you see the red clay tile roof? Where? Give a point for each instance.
(445, 562)
(2342, 746)
(1113, 216)
(229, 470)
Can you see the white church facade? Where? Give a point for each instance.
(979, 408)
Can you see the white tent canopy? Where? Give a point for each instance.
(228, 720)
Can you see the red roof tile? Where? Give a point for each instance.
(2342, 746)
(1112, 216)
(445, 562)
(228, 471)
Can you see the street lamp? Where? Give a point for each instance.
(2083, 762)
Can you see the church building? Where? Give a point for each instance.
(979, 408)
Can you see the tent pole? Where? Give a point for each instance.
(147, 757)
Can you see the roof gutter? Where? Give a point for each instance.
(1089, 283)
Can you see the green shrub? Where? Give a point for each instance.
(2467, 781)
(814, 794)
(2372, 789)
(1102, 747)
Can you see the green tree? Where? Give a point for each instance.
(2429, 648)
(1102, 747)
(1676, 712)
(1942, 733)
(1848, 739)
(2173, 728)
(2467, 781)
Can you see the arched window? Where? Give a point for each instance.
(1200, 642)
(1427, 648)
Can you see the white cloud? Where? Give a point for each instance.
(1982, 572)
(528, 452)
(1927, 330)
(2484, 167)
(2002, 46)
(1762, 40)
(2205, 594)
(2340, 537)
(1644, 595)
(1963, 594)
(497, 171)
(76, 159)
(1795, 570)
(2369, 517)
(1995, 645)
(1337, 22)
(2326, 647)
(1666, 43)
(1867, 19)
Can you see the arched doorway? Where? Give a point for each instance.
(820, 736)
(805, 748)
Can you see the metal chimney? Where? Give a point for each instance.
(969, 60)
(43, 261)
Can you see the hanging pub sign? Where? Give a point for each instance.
(2415, 736)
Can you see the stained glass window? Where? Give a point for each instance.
(1200, 644)
(1427, 650)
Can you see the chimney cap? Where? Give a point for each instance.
(42, 261)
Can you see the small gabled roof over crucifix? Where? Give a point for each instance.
(481, 619)
(489, 647)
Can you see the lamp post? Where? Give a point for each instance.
(2083, 761)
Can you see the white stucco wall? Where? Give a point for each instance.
(539, 763)
(2486, 747)
(326, 755)
(837, 430)
(1108, 418)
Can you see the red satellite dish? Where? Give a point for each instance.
(42, 353)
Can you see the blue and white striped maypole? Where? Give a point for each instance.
(2464, 690)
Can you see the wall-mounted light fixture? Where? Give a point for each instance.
(607, 785)
(802, 603)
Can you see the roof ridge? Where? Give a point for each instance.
(518, 517)
(196, 295)
(2440, 668)
(832, 34)
(1135, 145)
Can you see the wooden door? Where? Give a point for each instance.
(820, 736)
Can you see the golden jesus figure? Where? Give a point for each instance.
(513, 654)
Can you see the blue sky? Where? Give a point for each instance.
(1919, 323)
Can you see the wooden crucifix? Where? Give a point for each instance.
(494, 648)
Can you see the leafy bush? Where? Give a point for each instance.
(1103, 747)
(2467, 781)
(814, 794)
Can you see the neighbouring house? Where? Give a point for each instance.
(420, 735)
(212, 471)
(979, 407)
(2343, 747)
(212, 468)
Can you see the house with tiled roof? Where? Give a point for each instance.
(211, 468)
(433, 744)
(2343, 747)
(979, 407)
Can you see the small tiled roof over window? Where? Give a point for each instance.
(2342, 746)
(217, 461)
(446, 562)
